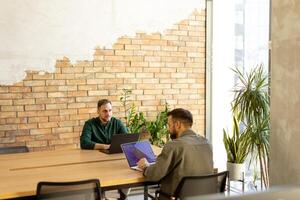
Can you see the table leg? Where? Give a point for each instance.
(145, 192)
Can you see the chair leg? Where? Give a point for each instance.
(123, 196)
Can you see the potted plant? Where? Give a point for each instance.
(251, 101)
(158, 128)
(237, 149)
(155, 131)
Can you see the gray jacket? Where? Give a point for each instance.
(188, 155)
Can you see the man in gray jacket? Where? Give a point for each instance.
(188, 154)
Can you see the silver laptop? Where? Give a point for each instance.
(117, 140)
(135, 151)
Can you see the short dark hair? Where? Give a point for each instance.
(182, 115)
(103, 102)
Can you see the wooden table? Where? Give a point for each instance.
(20, 173)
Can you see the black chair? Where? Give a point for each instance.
(195, 186)
(15, 149)
(86, 189)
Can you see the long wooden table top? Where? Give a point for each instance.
(21, 172)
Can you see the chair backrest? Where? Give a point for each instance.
(85, 189)
(194, 186)
(15, 149)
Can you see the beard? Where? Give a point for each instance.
(173, 135)
(105, 120)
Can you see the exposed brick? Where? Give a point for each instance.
(80, 117)
(59, 118)
(19, 89)
(77, 93)
(47, 124)
(87, 110)
(18, 120)
(5, 102)
(89, 87)
(34, 83)
(64, 76)
(62, 130)
(76, 82)
(151, 47)
(68, 123)
(67, 88)
(72, 70)
(12, 108)
(69, 135)
(42, 76)
(45, 89)
(34, 95)
(34, 107)
(37, 119)
(8, 127)
(47, 113)
(7, 114)
(10, 96)
(86, 99)
(57, 94)
(27, 126)
(132, 47)
(5, 140)
(36, 143)
(56, 106)
(97, 93)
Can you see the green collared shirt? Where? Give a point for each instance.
(95, 132)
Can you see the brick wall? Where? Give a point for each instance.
(47, 110)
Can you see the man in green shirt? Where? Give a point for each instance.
(97, 132)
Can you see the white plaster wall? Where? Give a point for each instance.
(34, 33)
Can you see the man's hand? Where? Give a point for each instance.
(143, 163)
(101, 146)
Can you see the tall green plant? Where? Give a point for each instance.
(251, 101)
(125, 102)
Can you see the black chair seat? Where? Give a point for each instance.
(195, 186)
(15, 149)
(76, 190)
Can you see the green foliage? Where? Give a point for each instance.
(158, 128)
(136, 120)
(237, 145)
(251, 101)
(125, 101)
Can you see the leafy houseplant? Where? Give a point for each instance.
(137, 123)
(158, 128)
(251, 101)
(237, 149)
(237, 145)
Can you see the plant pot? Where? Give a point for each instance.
(236, 171)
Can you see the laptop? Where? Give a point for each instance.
(117, 140)
(135, 151)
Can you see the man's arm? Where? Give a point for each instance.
(165, 163)
(122, 128)
(86, 139)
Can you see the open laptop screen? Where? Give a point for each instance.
(134, 151)
(118, 139)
